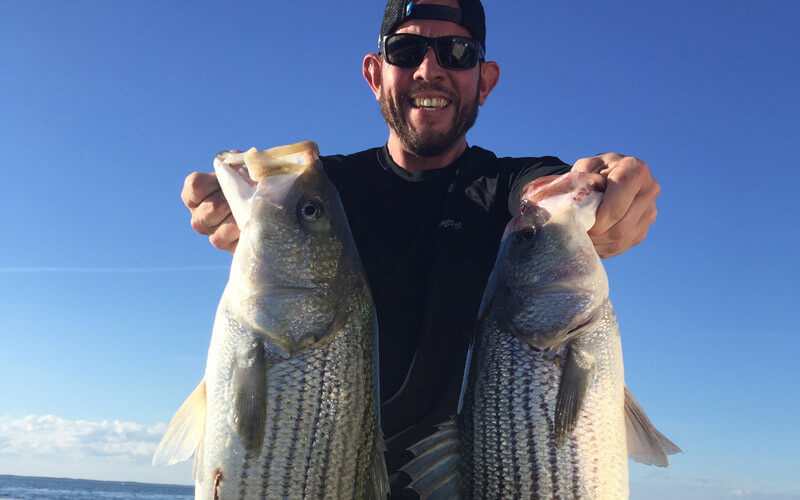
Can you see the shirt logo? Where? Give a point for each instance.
(449, 224)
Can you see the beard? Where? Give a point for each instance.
(428, 143)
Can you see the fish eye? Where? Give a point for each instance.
(310, 210)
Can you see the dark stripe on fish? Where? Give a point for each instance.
(496, 463)
(248, 457)
(576, 477)
(301, 392)
(330, 417)
(512, 425)
(498, 441)
(314, 426)
(265, 471)
(530, 423)
(482, 436)
(271, 452)
(552, 449)
(320, 377)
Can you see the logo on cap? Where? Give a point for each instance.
(409, 6)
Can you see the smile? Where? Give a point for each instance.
(430, 102)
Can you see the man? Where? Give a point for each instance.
(427, 211)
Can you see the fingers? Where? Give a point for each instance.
(593, 164)
(211, 214)
(197, 187)
(226, 235)
(624, 182)
(628, 208)
(627, 232)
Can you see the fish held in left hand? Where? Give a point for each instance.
(288, 407)
(544, 412)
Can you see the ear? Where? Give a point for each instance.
(490, 74)
(372, 69)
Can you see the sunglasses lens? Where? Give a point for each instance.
(406, 51)
(452, 52)
(456, 52)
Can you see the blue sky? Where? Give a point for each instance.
(107, 296)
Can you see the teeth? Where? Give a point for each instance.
(431, 102)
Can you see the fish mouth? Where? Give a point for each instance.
(268, 174)
(275, 188)
(578, 185)
(282, 160)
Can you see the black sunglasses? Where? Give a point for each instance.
(452, 52)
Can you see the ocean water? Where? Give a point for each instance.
(46, 488)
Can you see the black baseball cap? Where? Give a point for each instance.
(470, 16)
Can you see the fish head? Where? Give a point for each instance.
(550, 279)
(295, 254)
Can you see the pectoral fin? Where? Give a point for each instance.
(576, 377)
(186, 430)
(250, 398)
(645, 444)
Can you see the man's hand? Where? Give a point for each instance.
(629, 203)
(211, 214)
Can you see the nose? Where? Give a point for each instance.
(429, 69)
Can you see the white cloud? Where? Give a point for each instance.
(51, 436)
(47, 445)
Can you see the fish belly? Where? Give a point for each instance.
(320, 423)
(509, 425)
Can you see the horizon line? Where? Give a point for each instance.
(66, 478)
(78, 269)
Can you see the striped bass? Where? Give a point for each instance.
(288, 407)
(544, 411)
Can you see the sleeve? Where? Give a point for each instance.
(527, 170)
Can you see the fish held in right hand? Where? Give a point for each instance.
(211, 213)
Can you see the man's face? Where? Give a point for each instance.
(429, 108)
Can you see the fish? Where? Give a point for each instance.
(544, 411)
(289, 405)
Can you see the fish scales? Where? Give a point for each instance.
(544, 411)
(504, 452)
(288, 407)
(556, 470)
(312, 398)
